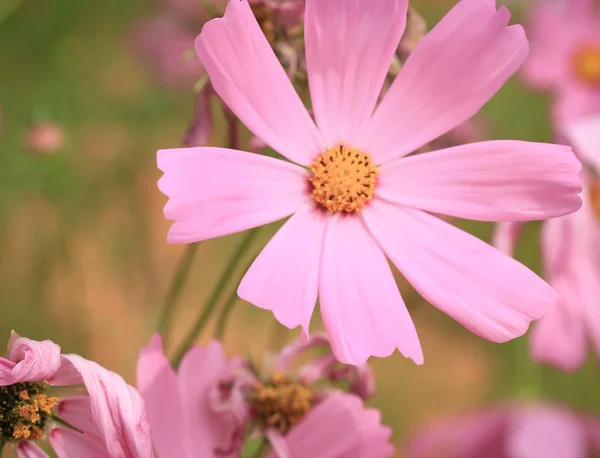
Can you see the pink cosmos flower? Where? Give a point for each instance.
(565, 56)
(510, 431)
(110, 417)
(354, 196)
(572, 265)
(203, 409)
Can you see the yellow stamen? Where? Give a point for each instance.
(45, 403)
(24, 395)
(343, 179)
(587, 64)
(29, 412)
(21, 431)
(36, 433)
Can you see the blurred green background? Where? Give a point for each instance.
(83, 240)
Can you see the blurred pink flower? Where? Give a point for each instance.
(111, 416)
(510, 431)
(182, 408)
(571, 258)
(339, 427)
(565, 55)
(336, 242)
(202, 124)
(45, 137)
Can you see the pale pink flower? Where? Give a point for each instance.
(565, 55)
(110, 415)
(182, 411)
(45, 137)
(571, 258)
(350, 211)
(510, 431)
(339, 427)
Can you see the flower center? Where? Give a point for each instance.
(24, 410)
(594, 196)
(343, 179)
(587, 64)
(280, 403)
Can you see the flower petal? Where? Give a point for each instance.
(488, 181)
(506, 235)
(486, 291)
(159, 387)
(246, 74)
(211, 432)
(452, 73)
(117, 410)
(27, 449)
(338, 427)
(362, 309)
(584, 135)
(349, 49)
(284, 276)
(29, 360)
(216, 191)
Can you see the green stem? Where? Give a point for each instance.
(65, 423)
(176, 288)
(209, 308)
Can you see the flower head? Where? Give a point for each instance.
(360, 198)
(107, 418)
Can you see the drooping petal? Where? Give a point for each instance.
(488, 181)
(27, 449)
(246, 74)
(117, 410)
(486, 291)
(213, 433)
(340, 426)
(284, 276)
(217, 191)
(506, 236)
(29, 360)
(477, 435)
(159, 387)
(584, 135)
(452, 73)
(546, 431)
(362, 309)
(349, 49)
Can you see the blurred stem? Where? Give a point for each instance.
(176, 288)
(528, 375)
(234, 129)
(210, 306)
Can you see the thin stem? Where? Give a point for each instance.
(176, 288)
(209, 308)
(234, 129)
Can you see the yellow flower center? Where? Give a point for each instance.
(24, 410)
(587, 64)
(343, 179)
(280, 403)
(594, 196)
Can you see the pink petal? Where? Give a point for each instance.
(349, 49)
(217, 191)
(247, 75)
(209, 431)
(296, 349)
(29, 360)
(67, 443)
(486, 291)
(572, 103)
(284, 276)
(159, 387)
(361, 306)
(584, 135)
(339, 427)
(476, 435)
(488, 181)
(546, 431)
(506, 236)
(27, 449)
(117, 410)
(201, 128)
(452, 73)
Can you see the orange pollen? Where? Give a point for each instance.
(594, 196)
(343, 179)
(21, 432)
(36, 433)
(587, 64)
(29, 412)
(24, 395)
(45, 403)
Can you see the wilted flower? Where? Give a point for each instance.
(533, 430)
(106, 419)
(359, 199)
(565, 55)
(45, 137)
